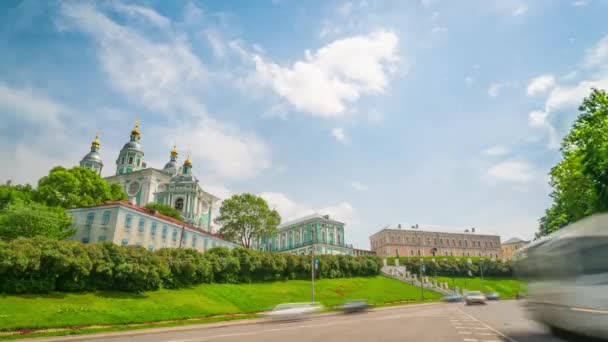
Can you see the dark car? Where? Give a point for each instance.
(355, 306)
(492, 296)
(452, 298)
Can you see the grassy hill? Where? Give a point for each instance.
(507, 287)
(109, 308)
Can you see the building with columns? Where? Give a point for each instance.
(313, 232)
(398, 240)
(173, 185)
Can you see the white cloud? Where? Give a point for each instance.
(222, 149)
(579, 3)
(496, 151)
(291, 210)
(519, 9)
(339, 134)
(326, 81)
(434, 16)
(512, 171)
(142, 11)
(469, 80)
(598, 55)
(31, 107)
(166, 76)
(540, 84)
(494, 89)
(216, 43)
(537, 118)
(357, 186)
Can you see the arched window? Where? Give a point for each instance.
(90, 218)
(128, 220)
(130, 160)
(179, 204)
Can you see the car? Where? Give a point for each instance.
(474, 297)
(492, 296)
(452, 298)
(291, 311)
(354, 306)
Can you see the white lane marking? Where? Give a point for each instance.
(508, 338)
(481, 328)
(465, 332)
(470, 340)
(485, 334)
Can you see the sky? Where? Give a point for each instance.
(432, 112)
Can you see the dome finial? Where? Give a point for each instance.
(135, 130)
(95, 142)
(174, 151)
(188, 162)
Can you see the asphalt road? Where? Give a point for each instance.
(494, 322)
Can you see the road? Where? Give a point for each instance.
(494, 322)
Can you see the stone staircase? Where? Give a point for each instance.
(400, 273)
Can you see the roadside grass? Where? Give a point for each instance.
(506, 287)
(31, 312)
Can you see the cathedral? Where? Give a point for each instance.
(173, 185)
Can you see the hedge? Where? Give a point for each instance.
(450, 266)
(41, 265)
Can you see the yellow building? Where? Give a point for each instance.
(510, 246)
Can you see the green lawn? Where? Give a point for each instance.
(506, 287)
(102, 308)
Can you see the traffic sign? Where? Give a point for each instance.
(316, 263)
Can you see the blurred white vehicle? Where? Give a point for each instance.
(567, 276)
(475, 297)
(291, 311)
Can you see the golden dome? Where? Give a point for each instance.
(188, 162)
(135, 130)
(174, 152)
(95, 142)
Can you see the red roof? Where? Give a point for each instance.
(157, 215)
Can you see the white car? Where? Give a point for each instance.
(475, 297)
(291, 311)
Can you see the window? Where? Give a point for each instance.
(193, 241)
(153, 229)
(446, 253)
(128, 220)
(396, 252)
(85, 239)
(101, 238)
(459, 243)
(466, 243)
(434, 241)
(142, 222)
(122, 161)
(174, 237)
(184, 237)
(106, 217)
(124, 242)
(90, 218)
(179, 204)
(453, 242)
(164, 233)
(418, 252)
(441, 241)
(130, 160)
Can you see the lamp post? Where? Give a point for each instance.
(481, 271)
(312, 271)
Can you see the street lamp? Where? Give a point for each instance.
(312, 271)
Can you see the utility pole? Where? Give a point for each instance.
(481, 270)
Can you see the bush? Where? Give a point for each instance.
(456, 266)
(39, 265)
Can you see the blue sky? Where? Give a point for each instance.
(377, 112)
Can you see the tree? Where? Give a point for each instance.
(76, 187)
(580, 179)
(246, 217)
(11, 194)
(34, 219)
(165, 210)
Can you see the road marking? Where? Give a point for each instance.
(508, 338)
(465, 332)
(470, 340)
(481, 328)
(485, 334)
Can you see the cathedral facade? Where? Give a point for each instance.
(173, 185)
